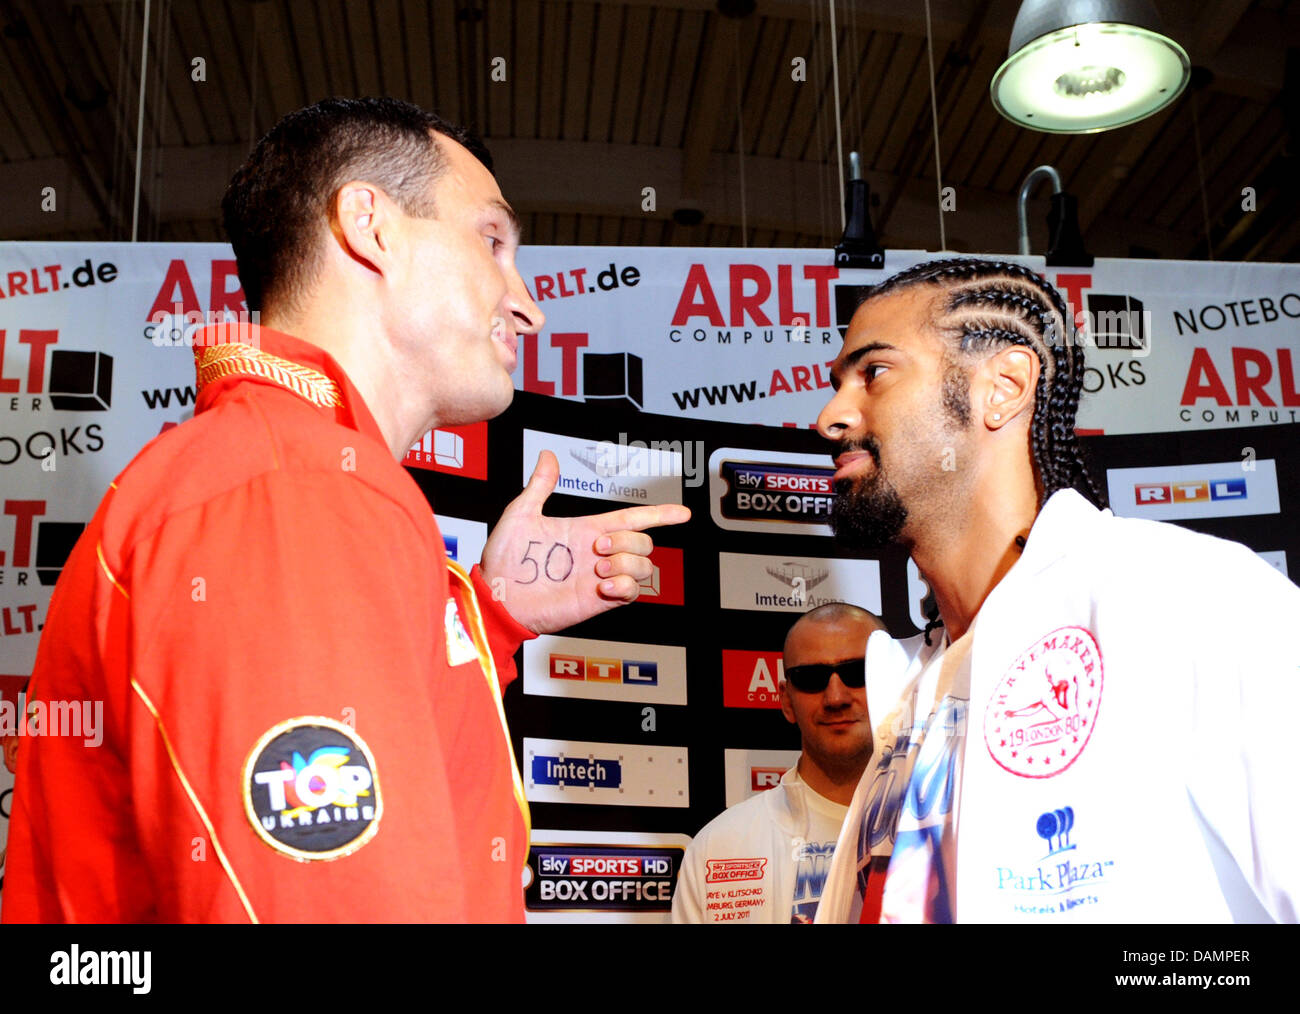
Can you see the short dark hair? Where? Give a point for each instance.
(279, 200)
(990, 304)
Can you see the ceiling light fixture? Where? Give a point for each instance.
(1082, 66)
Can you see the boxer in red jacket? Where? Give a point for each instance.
(302, 695)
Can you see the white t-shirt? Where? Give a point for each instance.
(928, 751)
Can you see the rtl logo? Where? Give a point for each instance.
(763, 778)
(603, 670)
(1189, 491)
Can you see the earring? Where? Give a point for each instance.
(997, 416)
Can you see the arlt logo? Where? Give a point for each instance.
(54, 541)
(457, 450)
(750, 678)
(77, 381)
(666, 583)
(311, 790)
(603, 670)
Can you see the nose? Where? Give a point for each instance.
(841, 416)
(836, 694)
(519, 303)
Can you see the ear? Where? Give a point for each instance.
(362, 222)
(1006, 386)
(787, 708)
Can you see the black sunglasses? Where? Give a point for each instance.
(813, 679)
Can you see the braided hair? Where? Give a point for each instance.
(996, 303)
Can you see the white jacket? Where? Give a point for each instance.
(1157, 669)
(743, 866)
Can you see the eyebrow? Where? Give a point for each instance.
(511, 217)
(857, 355)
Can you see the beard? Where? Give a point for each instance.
(868, 513)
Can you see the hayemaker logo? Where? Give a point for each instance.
(311, 790)
(1060, 880)
(458, 450)
(750, 678)
(1043, 710)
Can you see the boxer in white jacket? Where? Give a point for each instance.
(1101, 731)
(765, 859)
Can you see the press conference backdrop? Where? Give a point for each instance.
(637, 727)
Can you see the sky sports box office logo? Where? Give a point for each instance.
(1181, 492)
(605, 670)
(795, 584)
(771, 491)
(606, 876)
(614, 774)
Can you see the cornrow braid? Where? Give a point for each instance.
(997, 303)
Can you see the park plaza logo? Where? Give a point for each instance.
(1063, 878)
(311, 789)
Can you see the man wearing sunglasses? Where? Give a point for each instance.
(784, 838)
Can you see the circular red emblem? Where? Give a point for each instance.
(1044, 708)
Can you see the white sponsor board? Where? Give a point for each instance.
(465, 539)
(605, 670)
(605, 470)
(586, 901)
(613, 774)
(1275, 558)
(748, 335)
(1219, 489)
(770, 491)
(795, 584)
(749, 772)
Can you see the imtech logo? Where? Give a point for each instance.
(617, 774)
(605, 670)
(1180, 492)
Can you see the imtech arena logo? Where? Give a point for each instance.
(75, 381)
(456, 450)
(632, 878)
(606, 376)
(747, 293)
(53, 542)
(750, 679)
(1059, 881)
